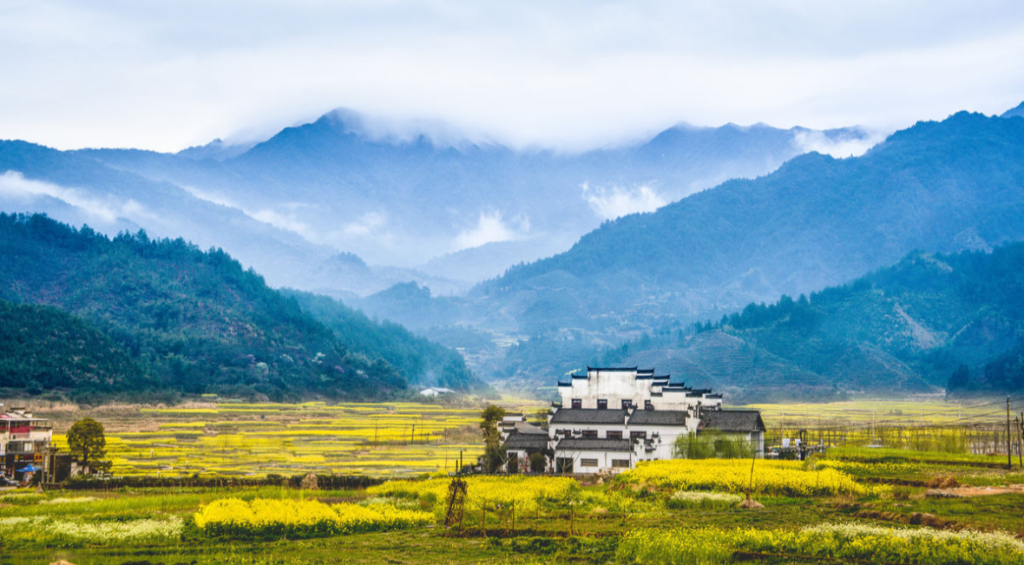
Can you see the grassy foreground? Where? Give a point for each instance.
(852, 506)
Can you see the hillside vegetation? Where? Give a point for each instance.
(196, 322)
(906, 328)
(43, 347)
(817, 221)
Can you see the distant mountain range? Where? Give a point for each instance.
(336, 207)
(944, 187)
(308, 205)
(817, 221)
(132, 315)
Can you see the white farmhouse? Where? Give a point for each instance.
(436, 391)
(610, 418)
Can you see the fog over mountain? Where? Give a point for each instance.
(350, 206)
(944, 186)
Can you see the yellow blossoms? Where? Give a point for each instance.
(785, 478)
(525, 492)
(300, 518)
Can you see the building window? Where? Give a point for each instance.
(588, 462)
(626, 404)
(613, 435)
(563, 433)
(620, 463)
(637, 435)
(602, 404)
(577, 403)
(648, 405)
(563, 465)
(590, 433)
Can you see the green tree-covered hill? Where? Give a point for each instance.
(43, 347)
(942, 186)
(196, 322)
(905, 328)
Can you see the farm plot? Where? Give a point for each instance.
(238, 440)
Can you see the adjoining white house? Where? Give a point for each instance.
(610, 418)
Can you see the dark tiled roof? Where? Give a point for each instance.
(527, 428)
(519, 441)
(732, 420)
(588, 416)
(589, 368)
(591, 444)
(658, 418)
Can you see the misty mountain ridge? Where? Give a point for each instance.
(939, 186)
(944, 187)
(460, 209)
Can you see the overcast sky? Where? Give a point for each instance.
(166, 75)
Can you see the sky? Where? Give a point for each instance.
(570, 75)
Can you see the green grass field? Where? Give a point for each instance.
(850, 505)
(610, 521)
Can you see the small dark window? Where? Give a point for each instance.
(590, 433)
(563, 433)
(648, 405)
(613, 435)
(626, 404)
(577, 403)
(620, 462)
(635, 435)
(588, 462)
(602, 404)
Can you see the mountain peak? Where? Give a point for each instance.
(1013, 112)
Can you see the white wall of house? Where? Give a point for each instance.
(598, 461)
(616, 385)
(613, 386)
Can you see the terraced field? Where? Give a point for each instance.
(235, 440)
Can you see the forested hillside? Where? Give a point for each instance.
(817, 221)
(432, 363)
(909, 327)
(195, 321)
(43, 347)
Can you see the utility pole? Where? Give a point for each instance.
(1009, 455)
(1020, 446)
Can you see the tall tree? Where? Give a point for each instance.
(87, 442)
(493, 455)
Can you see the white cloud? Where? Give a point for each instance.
(564, 74)
(367, 224)
(105, 210)
(491, 228)
(839, 147)
(611, 203)
(210, 197)
(285, 221)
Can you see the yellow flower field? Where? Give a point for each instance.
(300, 518)
(786, 478)
(241, 440)
(525, 492)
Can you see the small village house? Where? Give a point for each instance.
(611, 418)
(24, 443)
